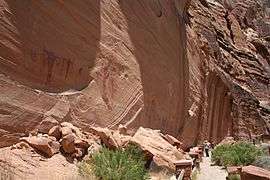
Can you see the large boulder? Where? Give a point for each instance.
(155, 146)
(46, 124)
(68, 127)
(227, 140)
(55, 132)
(47, 146)
(254, 173)
(106, 136)
(68, 143)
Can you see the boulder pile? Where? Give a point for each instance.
(52, 137)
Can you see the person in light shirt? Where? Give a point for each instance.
(207, 147)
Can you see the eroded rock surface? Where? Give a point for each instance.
(110, 62)
(201, 74)
(229, 70)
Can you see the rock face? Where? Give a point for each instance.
(201, 74)
(228, 54)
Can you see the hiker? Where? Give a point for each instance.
(207, 147)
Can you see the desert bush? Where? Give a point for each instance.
(265, 147)
(263, 162)
(120, 164)
(241, 153)
(234, 177)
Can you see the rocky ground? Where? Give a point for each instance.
(55, 148)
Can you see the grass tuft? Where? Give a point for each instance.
(120, 164)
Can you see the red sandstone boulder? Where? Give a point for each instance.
(46, 124)
(73, 129)
(163, 153)
(254, 173)
(43, 144)
(68, 143)
(81, 143)
(105, 136)
(227, 140)
(66, 131)
(172, 140)
(55, 132)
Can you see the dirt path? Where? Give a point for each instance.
(209, 172)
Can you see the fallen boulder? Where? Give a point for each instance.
(45, 145)
(106, 136)
(46, 124)
(55, 132)
(155, 146)
(227, 140)
(253, 172)
(68, 143)
(66, 131)
(74, 129)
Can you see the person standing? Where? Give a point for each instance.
(207, 147)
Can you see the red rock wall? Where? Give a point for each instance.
(232, 79)
(127, 56)
(196, 75)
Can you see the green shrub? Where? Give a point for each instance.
(123, 164)
(263, 162)
(265, 147)
(234, 177)
(241, 153)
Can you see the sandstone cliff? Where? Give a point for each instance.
(228, 53)
(196, 74)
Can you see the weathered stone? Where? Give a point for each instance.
(81, 143)
(227, 140)
(106, 136)
(234, 170)
(254, 173)
(45, 145)
(66, 131)
(46, 124)
(150, 141)
(55, 132)
(68, 143)
(73, 128)
(172, 140)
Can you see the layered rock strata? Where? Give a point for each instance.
(196, 74)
